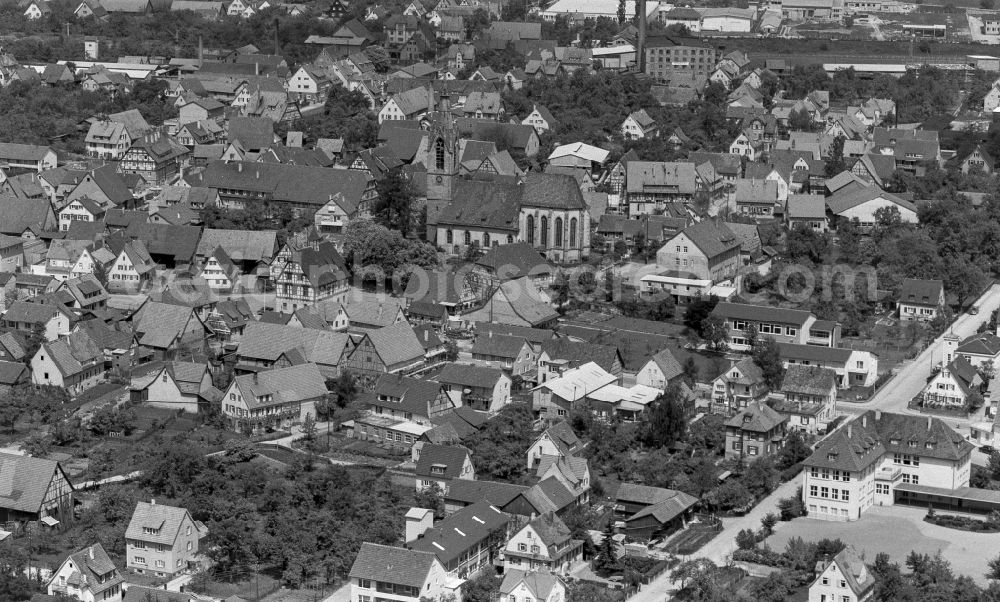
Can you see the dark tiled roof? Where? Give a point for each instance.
(811, 380)
(713, 237)
(756, 418)
(578, 353)
(24, 481)
(468, 375)
(451, 457)
(779, 315)
(497, 345)
(415, 395)
(921, 292)
(515, 260)
(462, 532)
(494, 492)
(394, 565)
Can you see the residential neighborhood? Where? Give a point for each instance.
(486, 301)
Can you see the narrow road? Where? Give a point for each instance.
(910, 380)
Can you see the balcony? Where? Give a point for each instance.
(889, 473)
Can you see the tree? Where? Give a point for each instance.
(767, 523)
(776, 587)
(607, 554)
(666, 423)
(101, 273)
(345, 387)
(767, 356)
(835, 163)
(498, 448)
(309, 431)
(621, 12)
(715, 332)
(698, 310)
(794, 451)
(690, 368)
(746, 539)
(963, 278)
(800, 120)
(393, 208)
(993, 465)
(451, 351)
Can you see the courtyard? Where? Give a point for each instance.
(898, 530)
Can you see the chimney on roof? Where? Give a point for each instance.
(239, 167)
(90, 552)
(418, 522)
(929, 422)
(850, 430)
(152, 501)
(427, 336)
(878, 415)
(256, 68)
(256, 378)
(201, 49)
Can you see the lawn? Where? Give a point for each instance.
(897, 531)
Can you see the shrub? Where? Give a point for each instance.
(792, 507)
(746, 539)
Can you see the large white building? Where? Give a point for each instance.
(883, 458)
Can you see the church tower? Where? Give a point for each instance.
(442, 156)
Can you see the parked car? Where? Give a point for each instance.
(987, 449)
(974, 310)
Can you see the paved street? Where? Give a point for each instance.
(912, 377)
(892, 397)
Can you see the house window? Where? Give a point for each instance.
(572, 232)
(450, 236)
(522, 547)
(486, 239)
(139, 560)
(545, 231)
(529, 225)
(468, 237)
(559, 232)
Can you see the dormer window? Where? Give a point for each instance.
(911, 443)
(894, 441)
(438, 469)
(150, 531)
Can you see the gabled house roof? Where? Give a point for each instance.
(462, 532)
(24, 481)
(451, 457)
(396, 343)
(921, 292)
(157, 523)
(469, 375)
(397, 565)
(859, 578)
(160, 325)
(302, 382)
(91, 565)
(497, 345)
(757, 418)
(515, 260)
(712, 236)
(539, 583)
(415, 395)
(841, 202)
(810, 380)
